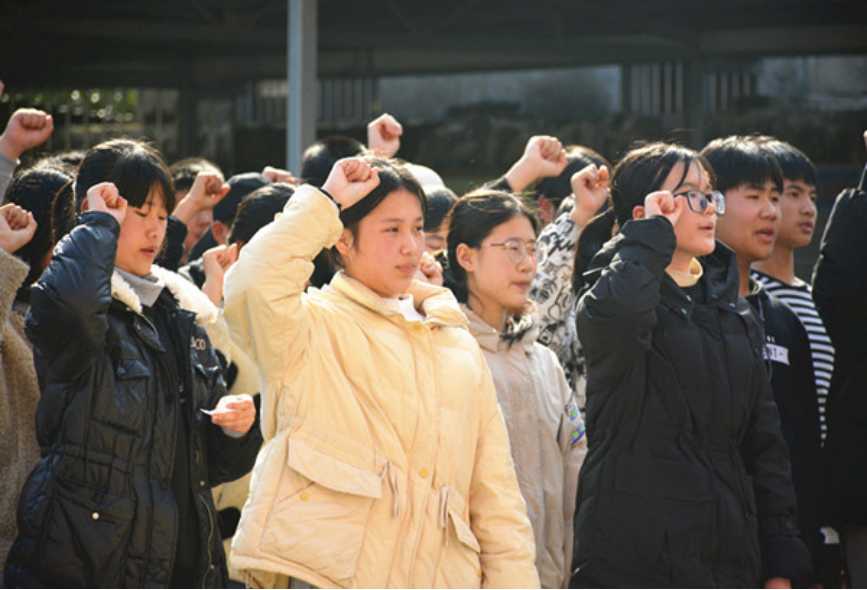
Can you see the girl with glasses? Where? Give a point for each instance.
(493, 259)
(386, 463)
(687, 479)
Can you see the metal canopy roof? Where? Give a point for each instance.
(215, 42)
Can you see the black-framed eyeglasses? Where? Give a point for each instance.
(698, 200)
(516, 249)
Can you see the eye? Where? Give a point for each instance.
(419, 228)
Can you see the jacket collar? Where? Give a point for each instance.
(489, 337)
(437, 304)
(188, 296)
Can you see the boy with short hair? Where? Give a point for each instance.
(751, 180)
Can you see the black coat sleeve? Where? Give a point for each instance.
(767, 461)
(69, 304)
(173, 247)
(840, 276)
(617, 314)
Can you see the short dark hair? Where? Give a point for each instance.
(557, 188)
(184, 172)
(240, 185)
(440, 201)
(34, 189)
(133, 166)
(319, 158)
(258, 210)
(794, 163)
(739, 160)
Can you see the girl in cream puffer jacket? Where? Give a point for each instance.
(386, 463)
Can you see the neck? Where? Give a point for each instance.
(680, 261)
(743, 276)
(493, 315)
(781, 265)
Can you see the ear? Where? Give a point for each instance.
(344, 242)
(638, 212)
(466, 257)
(85, 205)
(221, 232)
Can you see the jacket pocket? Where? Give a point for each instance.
(128, 407)
(459, 564)
(661, 520)
(325, 499)
(87, 535)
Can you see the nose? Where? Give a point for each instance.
(810, 208)
(412, 242)
(771, 210)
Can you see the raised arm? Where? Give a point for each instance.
(67, 320)
(263, 290)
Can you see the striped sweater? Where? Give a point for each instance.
(800, 299)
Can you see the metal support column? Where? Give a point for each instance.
(301, 65)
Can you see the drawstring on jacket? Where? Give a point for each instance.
(444, 513)
(388, 472)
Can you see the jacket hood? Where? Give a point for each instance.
(188, 296)
(489, 338)
(437, 304)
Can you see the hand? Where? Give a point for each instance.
(26, 129)
(217, 262)
(235, 412)
(664, 204)
(104, 197)
(783, 583)
(383, 136)
(350, 180)
(17, 227)
(208, 189)
(279, 175)
(430, 271)
(590, 187)
(543, 157)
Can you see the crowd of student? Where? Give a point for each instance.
(576, 375)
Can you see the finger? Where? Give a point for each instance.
(603, 177)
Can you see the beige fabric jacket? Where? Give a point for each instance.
(19, 396)
(386, 461)
(546, 431)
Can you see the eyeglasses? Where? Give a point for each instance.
(698, 201)
(516, 249)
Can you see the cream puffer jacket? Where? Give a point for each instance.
(546, 431)
(386, 461)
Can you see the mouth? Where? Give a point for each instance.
(523, 285)
(709, 229)
(407, 269)
(806, 227)
(149, 252)
(766, 235)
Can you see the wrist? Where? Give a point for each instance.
(519, 177)
(331, 198)
(10, 150)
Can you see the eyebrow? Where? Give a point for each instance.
(400, 220)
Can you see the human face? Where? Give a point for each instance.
(694, 231)
(197, 227)
(751, 222)
(495, 283)
(435, 241)
(141, 234)
(798, 214)
(386, 249)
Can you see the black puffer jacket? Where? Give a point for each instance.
(687, 480)
(840, 293)
(99, 510)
